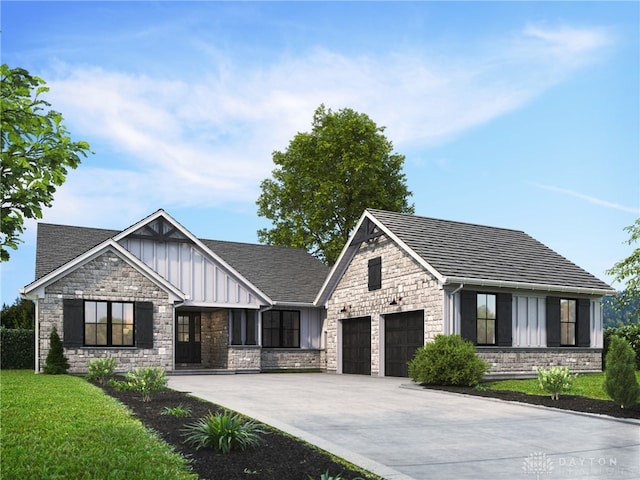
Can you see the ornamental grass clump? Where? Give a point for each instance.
(223, 431)
(620, 381)
(147, 381)
(555, 380)
(100, 369)
(448, 360)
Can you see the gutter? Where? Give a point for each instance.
(601, 292)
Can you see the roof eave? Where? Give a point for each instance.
(601, 292)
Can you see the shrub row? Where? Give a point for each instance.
(18, 348)
(630, 333)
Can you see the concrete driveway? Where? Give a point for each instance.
(402, 432)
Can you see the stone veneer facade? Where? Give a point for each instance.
(108, 278)
(525, 361)
(402, 277)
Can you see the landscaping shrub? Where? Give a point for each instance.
(631, 333)
(223, 431)
(146, 381)
(179, 411)
(555, 380)
(56, 363)
(18, 348)
(101, 368)
(448, 360)
(619, 377)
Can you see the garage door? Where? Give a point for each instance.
(356, 345)
(403, 334)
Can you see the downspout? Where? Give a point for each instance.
(37, 334)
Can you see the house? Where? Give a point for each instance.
(402, 279)
(155, 295)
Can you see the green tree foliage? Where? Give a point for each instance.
(619, 376)
(630, 333)
(36, 152)
(56, 363)
(628, 271)
(325, 180)
(616, 313)
(447, 360)
(21, 314)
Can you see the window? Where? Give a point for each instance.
(243, 327)
(567, 322)
(375, 273)
(486, 319)
(108, 324)
(281, 328)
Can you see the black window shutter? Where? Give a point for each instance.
(504, 329)
(375, 273)
(144, 324)
(553, 322)
(468, 313)
(583, 323)
(72, 322)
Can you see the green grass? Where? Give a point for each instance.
(59, 426)
(586, 385)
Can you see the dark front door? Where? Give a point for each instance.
(356, 345)
(188, 338)
(403, 335)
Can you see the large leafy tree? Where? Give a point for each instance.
(628, 271)
(325, 180)
(36, 153)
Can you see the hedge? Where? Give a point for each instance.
(631, 333)
(18, 348)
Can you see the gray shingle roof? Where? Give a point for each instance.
(465, 250)
(283, 274)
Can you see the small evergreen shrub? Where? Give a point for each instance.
(555, 380)
(56, 363)
(147, 381)
(619, 376)
(101, 368)
(631, 333)
(223, 431)
(18, 348)
(448, 360)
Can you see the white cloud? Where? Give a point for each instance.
(208, 140)
(588, 198)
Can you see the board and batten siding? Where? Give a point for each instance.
(185, 266)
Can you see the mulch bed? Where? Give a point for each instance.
(283, 457)
(565, 402)
(278, 457)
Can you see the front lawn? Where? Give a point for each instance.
(586, 385)
(59, 426)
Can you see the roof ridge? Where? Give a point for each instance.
(459, 222)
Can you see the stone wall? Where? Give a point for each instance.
(525, 361)
(108, 278)
(244, 357)
(403, 279)
(290, 358)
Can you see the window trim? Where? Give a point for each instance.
(565, 324)
(247, 317)
(281, 330)
(487, 319)
(109, 324)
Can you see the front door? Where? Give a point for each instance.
(188, 338)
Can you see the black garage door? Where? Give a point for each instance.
(403, 334)
(356, 345)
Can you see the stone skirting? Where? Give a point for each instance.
(241, 358)
(525, 361)
(291, 359)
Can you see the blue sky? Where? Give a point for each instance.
(521, 115)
